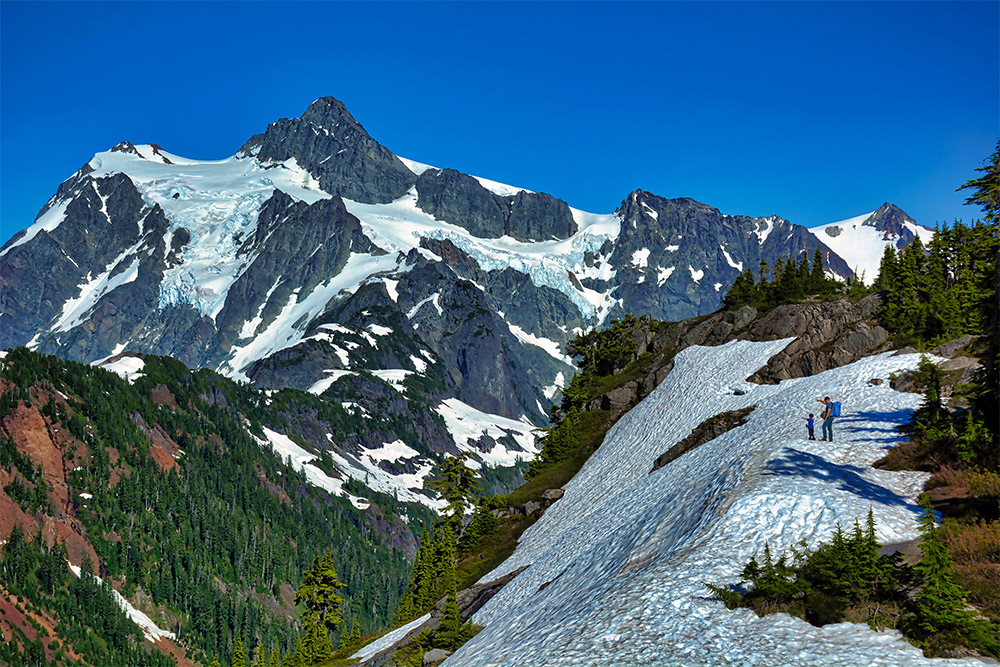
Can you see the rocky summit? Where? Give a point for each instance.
(316, 259)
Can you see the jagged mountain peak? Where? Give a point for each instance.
(860, 240)
(329, 112)
(889, 219)
(337, 151)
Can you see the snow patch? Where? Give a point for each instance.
(640, 258)
(151, 631)
(662, 274)
(332, 375)
(467, 424)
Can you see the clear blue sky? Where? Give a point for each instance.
(816, 111)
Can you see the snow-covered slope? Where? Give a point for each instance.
(861, 240)
(616, 567)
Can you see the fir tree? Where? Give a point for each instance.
(986, 188)
(319, 592)
(817, 279)
(239, 656)
(939, 616)
(316, 645)
(457, 483)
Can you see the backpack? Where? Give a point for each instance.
(835, 409)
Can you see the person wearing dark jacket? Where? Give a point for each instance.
(827, 417)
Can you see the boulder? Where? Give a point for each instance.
(951, 348)
(553, 494)
(435, 656)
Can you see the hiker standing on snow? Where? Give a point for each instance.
(827, 417)
(809, 425)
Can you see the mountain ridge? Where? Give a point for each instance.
(314, 255)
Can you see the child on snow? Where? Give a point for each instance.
(809, 425)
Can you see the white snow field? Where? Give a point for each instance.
(625, 552)
(860, 245)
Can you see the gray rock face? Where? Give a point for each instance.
(828, 335)
(435, 656)
(460, 199)
(891, 221)
(102, 221)
(677, 258)
(708, 430)
(337, 150)
(296, 247)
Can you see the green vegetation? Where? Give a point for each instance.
(217, 540)
(788, 282)
(91, 624)
(930, 295)
(848, 579)
(606, 359)
(937, 293)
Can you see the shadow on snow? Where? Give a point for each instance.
(846, 477)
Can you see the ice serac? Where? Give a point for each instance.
(328, 142)
(676, 258)
(462, 200)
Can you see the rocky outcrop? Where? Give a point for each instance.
(336, 149)
(99, 225)
(460, 199)
(827, 335)
(708, 430)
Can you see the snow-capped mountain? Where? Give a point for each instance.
(861, 240)
(317, 259)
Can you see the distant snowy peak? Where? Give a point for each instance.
(861, 240)
(331, 145)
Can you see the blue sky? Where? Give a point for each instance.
(814, 111)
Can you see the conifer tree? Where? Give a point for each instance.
(939, 614)
(986, 188)
(239, 656)
(457, 483)
(817, 279)
(319, 592)
(355, 632)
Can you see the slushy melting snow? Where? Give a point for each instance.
(624, 554)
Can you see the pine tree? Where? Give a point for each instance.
(214, 663)
(319, 592)
(939, 617)
(986, 188)
(239, 656)
(258, 657)
(886, 269)
(457, 483)
(316, 645)
(817, 280)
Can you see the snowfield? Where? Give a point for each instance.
(861, 245)
(624, 553)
